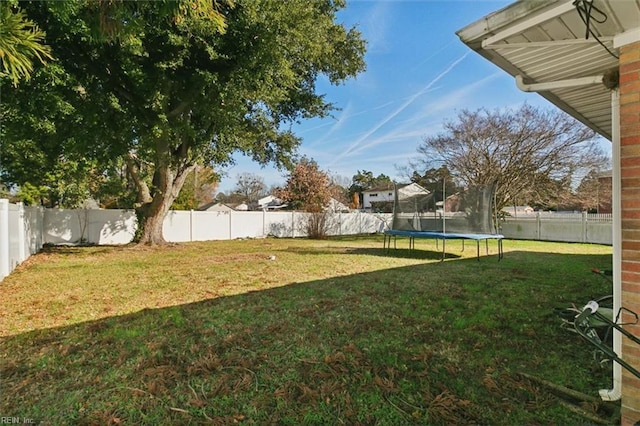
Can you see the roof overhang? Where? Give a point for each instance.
(544, 44)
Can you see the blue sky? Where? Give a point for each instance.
(418, 75)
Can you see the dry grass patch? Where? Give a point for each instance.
(331, 332)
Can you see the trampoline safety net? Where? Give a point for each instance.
(470, 211)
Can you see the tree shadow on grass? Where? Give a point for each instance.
(419, 344)
(372, 251)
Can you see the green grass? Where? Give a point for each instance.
(331, 332)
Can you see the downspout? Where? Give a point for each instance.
(615, 393)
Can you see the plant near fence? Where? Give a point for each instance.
(318, 224)
(308, 188)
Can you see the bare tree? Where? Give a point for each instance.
(594, 192)
(527, 153)
(251, 187)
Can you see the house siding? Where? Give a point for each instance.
(376, 196)
(630, 184)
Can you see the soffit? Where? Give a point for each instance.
(546, 41)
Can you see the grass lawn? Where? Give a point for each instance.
(330, 332)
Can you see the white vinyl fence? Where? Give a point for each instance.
(20, 234)
(569, 227)
(24, 230)
(182, 226)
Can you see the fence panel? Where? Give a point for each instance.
(565, 228)
(210, 225)
(62, 226)
(16, 235)
(247, 224)
(279, 224)
(33, 220)
(20, 235)
(521, 228)
(176, 227)
(576, 227)
(599, 233)
(110, 226)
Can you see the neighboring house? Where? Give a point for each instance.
(518, 210)
(242, 207)
(386, 193)
(377, 194)
(270, 202)
(215, 207)
(221, 207)
(335, 206)
(588, 66)
(264, 202)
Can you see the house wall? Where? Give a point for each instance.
(369, 197)
(630, 186)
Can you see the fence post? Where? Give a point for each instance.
(191, 225)
(538, 226)
(293, 224)
(41, 230)
(4, 238)
(584, 227)
(230, 222)
(22, 255)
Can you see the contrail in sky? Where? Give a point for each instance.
(402, 107)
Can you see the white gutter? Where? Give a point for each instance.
(616, 393)
(551, 85)
(529, 23)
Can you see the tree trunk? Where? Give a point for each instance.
(152, 213)
(151, 217)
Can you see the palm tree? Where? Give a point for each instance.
(21, 42)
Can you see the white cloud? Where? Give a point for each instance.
(356, 146)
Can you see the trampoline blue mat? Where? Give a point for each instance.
(444, 235)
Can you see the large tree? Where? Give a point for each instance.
(169, 92)
(526, 152)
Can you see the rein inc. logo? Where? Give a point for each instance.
(17, 421)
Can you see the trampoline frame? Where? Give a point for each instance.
(444, 236)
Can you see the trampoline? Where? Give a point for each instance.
(444, 236)
(466, 215)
